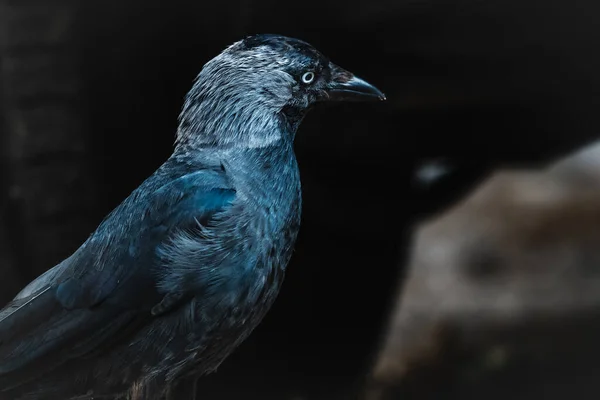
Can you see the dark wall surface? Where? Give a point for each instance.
(90, 97)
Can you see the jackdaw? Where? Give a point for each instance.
(182, 271)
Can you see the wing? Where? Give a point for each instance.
(107, 288)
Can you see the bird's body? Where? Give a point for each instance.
(182, 271)
(225, 301)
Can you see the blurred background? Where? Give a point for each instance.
(396, 261)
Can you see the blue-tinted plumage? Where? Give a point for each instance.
(185, 268)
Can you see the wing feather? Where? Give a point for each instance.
(106, 290)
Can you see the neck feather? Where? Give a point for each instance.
(232, 106)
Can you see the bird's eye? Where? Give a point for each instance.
(308, 77)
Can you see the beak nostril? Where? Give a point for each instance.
(340, 75)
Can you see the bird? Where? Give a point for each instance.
(181, 272)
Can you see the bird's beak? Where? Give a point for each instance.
(345, 86)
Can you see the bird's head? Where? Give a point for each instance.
(258, 90)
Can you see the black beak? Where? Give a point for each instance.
(345, 86)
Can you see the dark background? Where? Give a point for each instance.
(90, 93)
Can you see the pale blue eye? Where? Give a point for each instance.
(308, 77)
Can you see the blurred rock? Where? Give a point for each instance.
(581, 168)
(502, 293)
